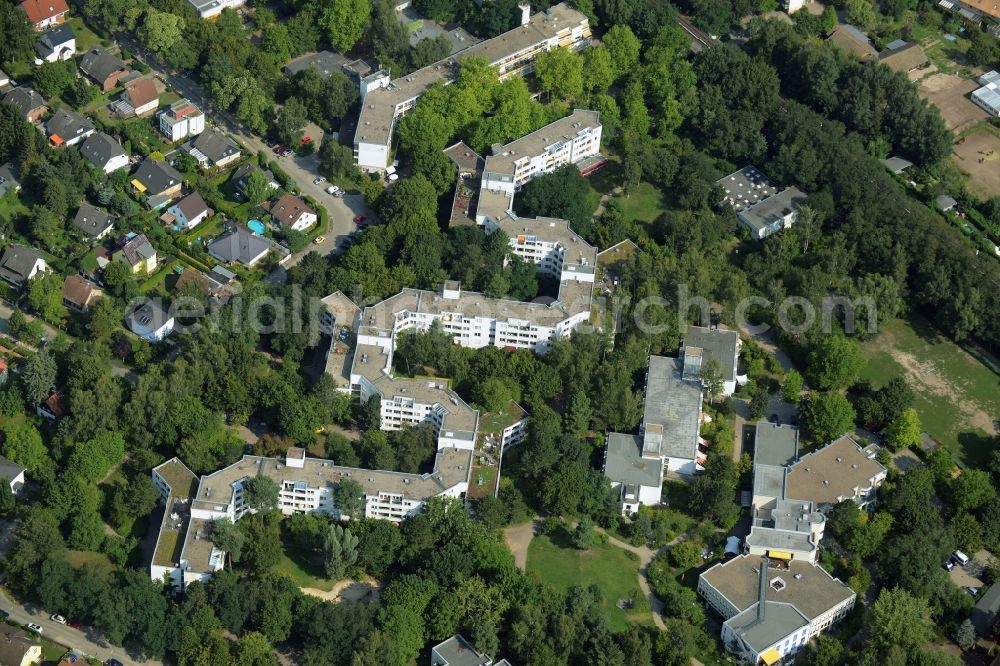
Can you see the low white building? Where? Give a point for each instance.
(181, 119)
(988, 97)
(13, 473)
(760, 205)
(209, 9)
(150, 322)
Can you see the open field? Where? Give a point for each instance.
(644, 204)
(296, 566)
(606, 566)
(957, 397)
(979, 156)
(949, 93)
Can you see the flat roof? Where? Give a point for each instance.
(807, 587)
(577, 252)
(673, 405)
(772, 538)
(198, 546)
(746, 187)
(505, 158)
(623, 462)
(456, 651)
(780, 620)
(775, 444)
(173, 526)
(182, 481)
(832, 472)
(769, 480)
(773, 208)
(718, 344)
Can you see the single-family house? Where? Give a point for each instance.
(28, 102)
(20, 263)
(214, 284)
(902, 56)
(137, 252)
(154, 178)
(292, 212)
(150, 321)
(93, 222)
(68, 128)
(56, 44)
(242, 173)
(140, 98)
(189, 211)
(45, 13)
(13, 473)
(17, 648)
(80, 293)
(105, 69)
(53, 407)
(104, 153)
(212, 148)
(10, 178)
(181, 119)
(238, 245)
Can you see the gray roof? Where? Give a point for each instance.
(17, 262)
(897, 164)
(156, 176)
(237, 244)
(9, 469)
(68, 125)
(623, 462)
(772, 209)
(98, 64)
(192, 206)
(775, 444)
(214, 145)
(52, 39)
(456, 651)
(723, 346)
(504, 159)
(772, 538)
(99, 149)
(984, 614)
(10, 175)
(769, 480)
(25, 99)
(325, 63)
(780, 620)
(91, 220)
(945, 202)
(147, 317)
(673, 410)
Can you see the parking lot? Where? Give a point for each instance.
(972, 574)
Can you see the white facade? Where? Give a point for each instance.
(115, 163)
(209, 9)
(182, 218)
(62, 51)
(182, 119)
(304, 221)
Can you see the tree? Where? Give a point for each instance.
(685, 555)
(965, 634)
(160, 30)
(39, 377)
(336, 160)
(262, 545)
(972, 489)
(52, 78)
(711, 377)
(900, 619)
(290, 120)
(349, 497)
(22, 443)
(345, 22)
(228, 537)
(791, 388)
(836, 363)
(560, 73)
(560, 194)
(340, 551)
(93, 458)
(7, 499)
(624, 48)
(827, 416)
(261, 493)
(576, 419)
(257, 186)
(583, 535)
(759, 400)
(253, 649)
(861, 13)
(45, 296)
(904, 431)
(600, 68)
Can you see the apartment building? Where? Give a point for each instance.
(703, 344)
(566, 141)
(772, 607)
(513, 53)
(181, 119)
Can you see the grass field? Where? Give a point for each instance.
(606, 566)
(957, 397)
(78, 558)
(296, 566)
(644, 204)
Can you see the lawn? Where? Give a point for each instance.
(957, 397)
(51, 652)
(644, 204)
(78, 558)
(85, 37)
(608, 567)
(296, 565)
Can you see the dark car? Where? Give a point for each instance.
(774, 419)
(359, 219)
(73, 624)
(4, 614)
(113, 662)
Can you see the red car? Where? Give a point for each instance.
(306, 139)
(73, 624)
(359, 219)
(279, 149)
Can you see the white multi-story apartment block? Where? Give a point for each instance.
(181, 119)
(772, 607)
(513, 53)
(566, 141)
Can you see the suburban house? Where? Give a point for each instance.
(771, 607)
(513, 53)
(243, 171)
(28, 102)
(103, 68)
(137, 252)
(53, 407)
(80, 293)
(213, 148)
(56, 44)
(17, 648)
(902, 56)
(209, 9)
(150, 321)
(181, 119)
(760, 206)
(237, 244)
(984, 613)
(10, 175)
(45, 13)
(20, 263)
(13, 473)
(93, 222)
(104, 153)
(292, 212)
(68, 128)
(154, 178)
(702, 345)
(215, 284)
(456, 651)
(988, 97)
(189, 211)
(140, 98)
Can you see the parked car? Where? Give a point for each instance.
(279, 149)
(73, 624)
(286, 152)
(57, 618)
(34, 627)
(113, 662)
(318, 240)
(4, 614)
(359, 219)
(334, 190)
(971, 591)
(949, 564)
(317, 181)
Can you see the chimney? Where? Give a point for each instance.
(525, 12)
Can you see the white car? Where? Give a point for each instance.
(57, 618)
(334, 190)
(34, 627)
(319, 180)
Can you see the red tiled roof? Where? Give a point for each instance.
(141, 92)
(289, 208)
(40, 10)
